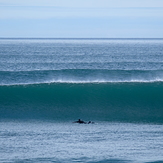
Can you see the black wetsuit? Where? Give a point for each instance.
(79, 121)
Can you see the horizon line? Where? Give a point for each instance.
(81, 37)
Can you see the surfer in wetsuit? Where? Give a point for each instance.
(79, 121)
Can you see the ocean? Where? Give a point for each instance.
(46, 84)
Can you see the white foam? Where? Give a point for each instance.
(97, 81)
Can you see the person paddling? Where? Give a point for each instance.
(79, 121)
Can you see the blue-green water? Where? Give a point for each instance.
(128, 102)
(46, 84)
(101, 79)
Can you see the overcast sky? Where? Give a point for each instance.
(81, 18)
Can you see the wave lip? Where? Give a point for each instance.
(81, 82)
(79, 76)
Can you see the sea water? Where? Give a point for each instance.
(41, 141)
(46, 84)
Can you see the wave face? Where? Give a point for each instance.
(95, 79)
(131, 102)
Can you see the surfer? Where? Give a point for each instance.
(79, 121)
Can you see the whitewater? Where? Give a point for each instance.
(46, 84)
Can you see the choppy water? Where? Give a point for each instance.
(36, 141)
(45, 84)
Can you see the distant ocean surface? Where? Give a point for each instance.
(46, 84)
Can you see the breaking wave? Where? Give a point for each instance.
(79, 76)
(131, 102)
